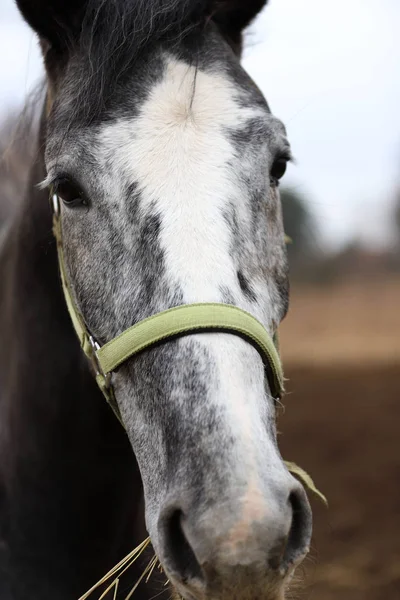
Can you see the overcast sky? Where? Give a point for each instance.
(331, 72)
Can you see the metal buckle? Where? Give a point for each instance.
(95, 363)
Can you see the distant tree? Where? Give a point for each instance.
(301, 228)
(396, 223)
(397, 219)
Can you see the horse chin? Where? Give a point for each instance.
(263, 591)
(241, 595)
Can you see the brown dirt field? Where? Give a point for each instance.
(342, 426)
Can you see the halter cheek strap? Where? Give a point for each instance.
(169, 324)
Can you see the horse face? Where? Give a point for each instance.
(168, 171)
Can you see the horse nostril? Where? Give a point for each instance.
(181, 557)
(300, 531)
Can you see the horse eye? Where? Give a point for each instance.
(70, 193)
(279, 168)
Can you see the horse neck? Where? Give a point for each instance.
(70, 490)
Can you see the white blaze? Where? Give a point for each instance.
(178, 151)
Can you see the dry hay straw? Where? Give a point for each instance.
(116, 572)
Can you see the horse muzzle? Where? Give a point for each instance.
(244, 548)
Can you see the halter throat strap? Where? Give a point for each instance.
(161, 327)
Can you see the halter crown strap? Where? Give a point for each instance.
(164, 326)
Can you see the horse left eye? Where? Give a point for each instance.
(70, 193)
(279, 168)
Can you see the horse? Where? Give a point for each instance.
(165, 161)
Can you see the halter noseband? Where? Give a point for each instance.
(164, 326)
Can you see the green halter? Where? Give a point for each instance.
(164, 326)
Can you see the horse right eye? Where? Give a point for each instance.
(70, 193)
(279, 168)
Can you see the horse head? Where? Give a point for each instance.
(166, 161)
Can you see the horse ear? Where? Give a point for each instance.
(233, 16)
(56, 22)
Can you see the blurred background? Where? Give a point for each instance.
(330, 71)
